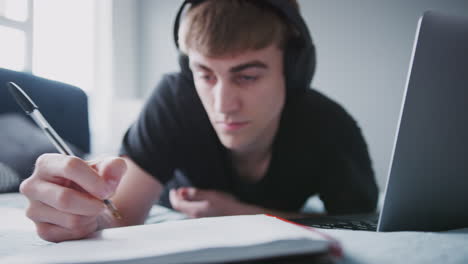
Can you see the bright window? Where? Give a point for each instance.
(12, 51)
(14, 9)
(63, 41)
(57, 42)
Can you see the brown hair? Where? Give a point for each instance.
(220, 27)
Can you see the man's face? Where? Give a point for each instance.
(243, 94)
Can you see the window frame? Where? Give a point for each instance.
(27, 28)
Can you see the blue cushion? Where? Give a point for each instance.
(9, 180)
(21, 143)
(63, 105)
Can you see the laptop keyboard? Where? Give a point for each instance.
(367, 223)
(352, 225)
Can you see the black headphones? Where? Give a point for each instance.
(299, 55)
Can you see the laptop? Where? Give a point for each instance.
(427, 186)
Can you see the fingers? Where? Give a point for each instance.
(111, 171)
(61, 198)
(201, 203)
(42, 213)
(50, 166)
(193, 209)
(66, 194)
(55, 233)
(192, 194)
(54, 225)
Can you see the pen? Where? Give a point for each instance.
(32, 110)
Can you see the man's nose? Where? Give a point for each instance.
(226, 98)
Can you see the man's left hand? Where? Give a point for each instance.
(204, 203)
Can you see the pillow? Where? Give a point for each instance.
(9, 180)
(22, 142)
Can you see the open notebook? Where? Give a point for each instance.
(205, 240)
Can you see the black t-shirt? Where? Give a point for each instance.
(318, 149)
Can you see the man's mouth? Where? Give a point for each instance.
(230, 126)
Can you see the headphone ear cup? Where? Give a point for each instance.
(184, 66)
(299, 65)
(292, 67)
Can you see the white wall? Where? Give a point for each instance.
(363, 46)
(126, 38)
(157, 51)
(115, 101)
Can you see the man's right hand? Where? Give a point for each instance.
(65, 195)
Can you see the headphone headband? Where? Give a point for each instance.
(299, 56)
(282, 6)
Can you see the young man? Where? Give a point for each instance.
(237, 131)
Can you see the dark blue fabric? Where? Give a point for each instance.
(64, 106)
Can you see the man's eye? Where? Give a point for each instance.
(206, 77)
(249, 78)
(246, 78)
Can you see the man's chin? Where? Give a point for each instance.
(233, 143)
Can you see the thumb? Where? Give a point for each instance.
(111, 170)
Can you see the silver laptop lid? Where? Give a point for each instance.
(427, 187)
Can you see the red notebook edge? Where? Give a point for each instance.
(335, 250)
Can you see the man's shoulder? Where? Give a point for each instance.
(174, 101)
(315, 118)
(176, 79)
(320, 107)
(175, 92)
(172, 85)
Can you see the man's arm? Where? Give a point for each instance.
(349, 186)
(252, 209)
(204, 203)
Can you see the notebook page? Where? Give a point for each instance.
(17, 232)
(172, 238)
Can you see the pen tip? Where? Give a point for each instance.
(117, 215)
(21, 98)
(112, 208)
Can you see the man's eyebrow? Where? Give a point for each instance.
(238, 68)
(203, 67)
(250, 64)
